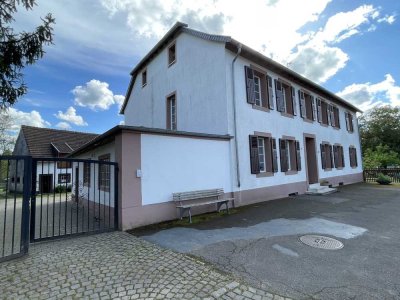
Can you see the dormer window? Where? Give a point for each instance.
(171, 54)
(144, 78)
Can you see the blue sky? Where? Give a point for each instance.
(349, 47)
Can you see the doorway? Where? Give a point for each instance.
(311, 156)
(46, 183)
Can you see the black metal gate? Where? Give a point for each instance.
(47, 198)
(15, 174)
(72, 197)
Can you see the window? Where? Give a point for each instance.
(263, 155)
(334, 116)
(64, 178)
(86, 174)
(171, 112)
(64, 165)
(104, 173)
(171, 54)
(338, 156)
(144, 78)
(290, 155)
(307, 106)
(326, 156)
(259, 89)
(285, 98)
(349, 121)
(353, 157)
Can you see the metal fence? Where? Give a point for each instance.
(14, 206)
(371, 175)
(47, 198)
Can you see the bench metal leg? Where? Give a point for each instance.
(222, 203)
(182, 211)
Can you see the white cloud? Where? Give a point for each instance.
(95, 94)
(63, 125)
(32, 118)
(388, 19)
(367, 95)
(71, 117)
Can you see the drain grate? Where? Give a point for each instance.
(321, 242)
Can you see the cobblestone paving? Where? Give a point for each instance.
(116, 266)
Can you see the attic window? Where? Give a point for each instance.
(144, 78)
(171, 55)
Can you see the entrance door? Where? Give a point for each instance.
(46, 183)
(311, 156)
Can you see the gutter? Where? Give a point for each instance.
(234, 116)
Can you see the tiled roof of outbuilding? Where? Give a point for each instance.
(47, 142)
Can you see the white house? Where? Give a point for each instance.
(205, 111)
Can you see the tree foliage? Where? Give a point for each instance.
(380, 157)
(380, 126)
(19, 49)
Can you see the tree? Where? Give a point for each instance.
(19, 49)
(381, 157)
(380, 126)
(6, 140)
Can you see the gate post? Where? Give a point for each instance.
(116, 207)
(33, 199)
(27, 180)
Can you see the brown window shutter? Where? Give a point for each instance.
(328, 114)
(270, 93)
(351, 157)
(279, 96)
(293, 94)
(323, 157)
(283, 155)
(319, 110)
(298, 156)
(302, 102)
(355, 157)
(250, 87)
(346, 117)
(314, 108)
(342, 155)
(330, 147)
(351, 128)
(337, 118)
(274, 156)
(254, 162)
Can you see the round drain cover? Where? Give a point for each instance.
(321, 242)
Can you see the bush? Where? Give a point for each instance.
(383, 179)
(62, 188)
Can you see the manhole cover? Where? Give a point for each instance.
(321, 242)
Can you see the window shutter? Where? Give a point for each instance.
(279, 95)
(254, 162)
(283, 155)
(314, 108)
(337, 119)
(250, 87)
(270, 93)
(331, 155)
(350, 117)
(336, 156)
(298, 156)
(332, 113)
(293, 93)
(319, 110)
(323, 157)
(274, 156)
(342, 155)
(355, 157)
(302, 102)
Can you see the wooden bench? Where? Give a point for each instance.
(186, 200)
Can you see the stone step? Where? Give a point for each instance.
(317, 189)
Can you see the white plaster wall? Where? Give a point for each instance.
(177, 164)
(93, 193)
(197, 77)
(250, 120)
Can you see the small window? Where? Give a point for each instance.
(171, 113)
(353, 157)
(290, 155)
(104, 173)
(144, 78)
(64, 178)
(326, 156)
(338, 156)
(349, 122)
(171, 54)
(257, 90)
(285, 98)
(261, 153)
(307, 106)
(86, 174)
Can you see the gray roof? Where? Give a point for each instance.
(47, 142)
(232, 44)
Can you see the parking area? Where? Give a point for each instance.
(261, 244)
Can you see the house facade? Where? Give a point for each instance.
(46, 143)
(205, 111)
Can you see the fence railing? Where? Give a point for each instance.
(370, 175)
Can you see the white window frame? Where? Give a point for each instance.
(257, 90)
(289, 158)
(172, 111)
(261, 154)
